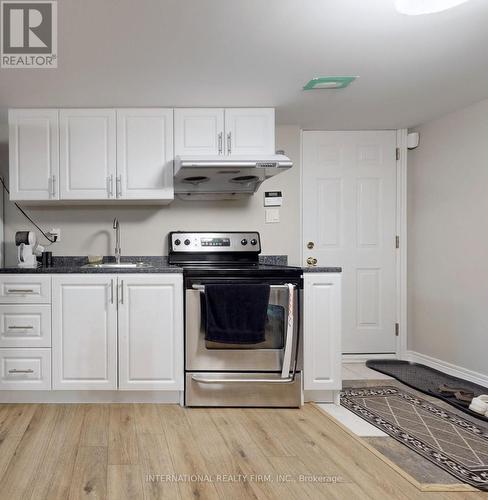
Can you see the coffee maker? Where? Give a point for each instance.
(26, 242)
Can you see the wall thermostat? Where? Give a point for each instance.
(273, 198)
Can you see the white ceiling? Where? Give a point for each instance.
(260, 53)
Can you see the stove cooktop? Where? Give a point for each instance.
(228, 254)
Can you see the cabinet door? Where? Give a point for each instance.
(34, 154)
(145, 154)
(151, 332)
(87, 154)
(322, 356)
(199, 131)
(84, 332)
(249, 131)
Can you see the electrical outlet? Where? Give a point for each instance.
(55, 232)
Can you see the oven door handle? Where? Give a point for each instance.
(207, 380)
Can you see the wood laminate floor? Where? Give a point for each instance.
(149, 451)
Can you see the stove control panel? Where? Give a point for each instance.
(180, 242)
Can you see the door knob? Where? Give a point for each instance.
(310, 245)
(311, 261)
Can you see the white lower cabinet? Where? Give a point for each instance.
(151, 332)
(117, 331)
(84, 332)
(322, 355)
(25, 325)
(25, 369)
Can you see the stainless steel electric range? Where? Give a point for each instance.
(265, 374)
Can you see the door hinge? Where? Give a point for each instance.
(397, 241)
(397, 154)
(397, 329)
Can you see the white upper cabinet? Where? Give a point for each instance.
(144, 154)
(249, 131)
(151, 332)
(232, 131)
(199, 131)
(123, 154)
(34, 154)
(87, 154)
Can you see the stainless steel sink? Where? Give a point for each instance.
(122, 265)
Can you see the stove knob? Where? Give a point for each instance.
(187, 242)
(254, 242)
(177, 242)
(244, 242)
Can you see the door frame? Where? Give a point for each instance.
(401, 231)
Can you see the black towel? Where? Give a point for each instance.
(236, 313)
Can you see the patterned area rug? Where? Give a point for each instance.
(456, 445)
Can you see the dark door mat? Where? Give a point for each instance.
(447, 440)
(428, 380)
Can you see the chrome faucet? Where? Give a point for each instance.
(118, 252)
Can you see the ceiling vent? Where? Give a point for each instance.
(329, 82)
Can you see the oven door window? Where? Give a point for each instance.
(274, 331)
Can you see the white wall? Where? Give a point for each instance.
(88, 230)
(448, 239)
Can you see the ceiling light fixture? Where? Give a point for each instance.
(329, 82)
(418, 7)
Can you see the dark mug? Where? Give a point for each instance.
(47, 259)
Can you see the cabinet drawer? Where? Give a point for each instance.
(25, 289)
(25, 369)
(25, 325)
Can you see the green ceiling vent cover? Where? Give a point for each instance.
(329, 82)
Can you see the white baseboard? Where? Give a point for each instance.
(449, 368)
(90, 397)
(361, 358)
(320, 396)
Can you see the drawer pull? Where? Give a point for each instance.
(19, 290)
(14, 370)
(15, 327)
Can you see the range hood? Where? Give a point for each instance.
(225, 177)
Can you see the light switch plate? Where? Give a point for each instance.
(272, 215)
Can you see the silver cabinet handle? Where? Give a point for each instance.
(53, 185)
(14, 370)
(15, 327)
(19, 290)
(118, 182)
(205, 380)
(110, 185)
(121, 291)
(220, 140)
(229, 143)
(111, 291)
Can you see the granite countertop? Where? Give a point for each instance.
(314, 269)
(282, 260)
(74, 265)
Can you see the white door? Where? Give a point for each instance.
(87, 154)
(199, 131)
(151, 332)
(349, 204)
(34, 154)
(145, 154)
(84, 332)
(322, 357)
(249, 131)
